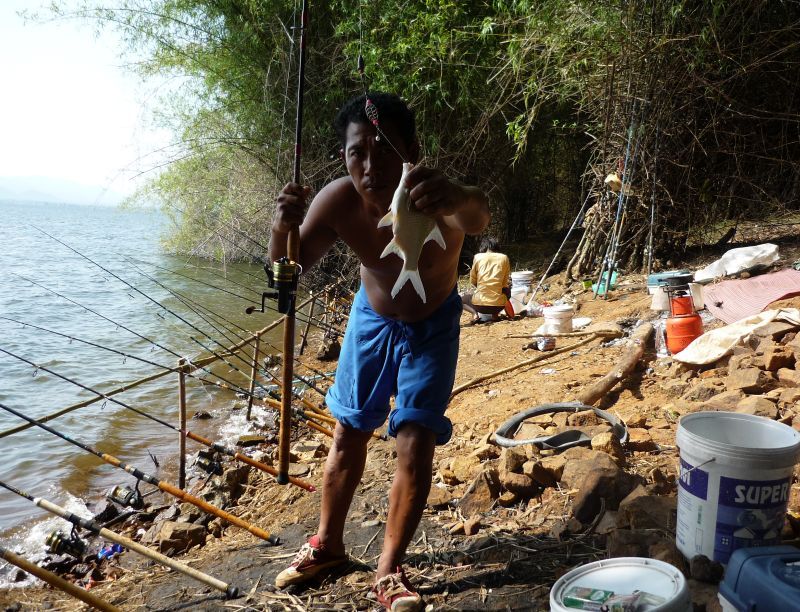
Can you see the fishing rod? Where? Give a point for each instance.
(192, 436)
(144, 477)
(111, 536)
(151, 299)
(138, 335)
(289, 271)
(301, 318)
(57, 581)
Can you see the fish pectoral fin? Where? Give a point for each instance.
(436, 235)
(416, 282)
(387, 220)
(392, 248)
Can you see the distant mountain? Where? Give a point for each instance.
(46, 189)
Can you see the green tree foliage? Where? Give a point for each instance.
(535, 100)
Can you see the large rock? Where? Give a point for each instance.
(464, 467)
(596, 477)
(704, 390)
(778, 357)
(789, 378)
(642, 511)
(759, 406)
(481, 493)
(171, 537)
(511, 460)
(522, 485)
(583, 418)
(727, 400)
(749, 380)
(609, 443)
(640, 440)
(540, 474)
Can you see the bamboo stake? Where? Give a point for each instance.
(253, 374)
(182, 423)
(304, 335)
(57, 581)
(530, 361)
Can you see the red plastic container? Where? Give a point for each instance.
(682, 329)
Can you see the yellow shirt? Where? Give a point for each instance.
(490, 273)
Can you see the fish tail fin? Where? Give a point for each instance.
(416, 282)
(391, 248)
(436, 235)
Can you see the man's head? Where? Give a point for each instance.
(489, 243)
(391, 110)
(375, 164)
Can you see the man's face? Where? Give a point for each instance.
(375, 166)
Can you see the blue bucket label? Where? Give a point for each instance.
(694, 480)
(749, 513)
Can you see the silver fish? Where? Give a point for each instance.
(411, 230)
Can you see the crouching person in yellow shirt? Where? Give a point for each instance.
(491, 276)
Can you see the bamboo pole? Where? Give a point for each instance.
(97, 529)
(304, 335)
(530, 361)
(253, 374)
(57, 581)
(182, 423)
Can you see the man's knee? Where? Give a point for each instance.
(415, 446)
(348, 439)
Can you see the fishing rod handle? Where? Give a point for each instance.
(57, 581)
(229, 590)
(205, 506)
(249, 461)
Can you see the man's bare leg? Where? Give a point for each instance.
(409, 493)
(343, 470)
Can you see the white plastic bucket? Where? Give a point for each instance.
(623, 576)
(736, 472)
(520, 287)
(558, 319)
(518, 298)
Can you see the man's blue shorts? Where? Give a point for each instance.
(415, 362)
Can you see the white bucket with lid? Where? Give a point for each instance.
(623, 576)
(736, 473)
(558, 319)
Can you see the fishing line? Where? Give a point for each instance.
(192, 436)
(138, 335)
(302, 318)
(370, 110)
(154, 301)
(145, 477)
(165, 368)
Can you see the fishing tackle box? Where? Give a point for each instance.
(765, 578)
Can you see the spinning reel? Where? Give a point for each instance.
(60, 544)
(282, 276)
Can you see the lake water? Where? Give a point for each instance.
(46, 466)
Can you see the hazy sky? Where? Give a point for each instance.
(68, 109)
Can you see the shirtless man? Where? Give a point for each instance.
(401, 346)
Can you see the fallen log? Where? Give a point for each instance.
(637, 342)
